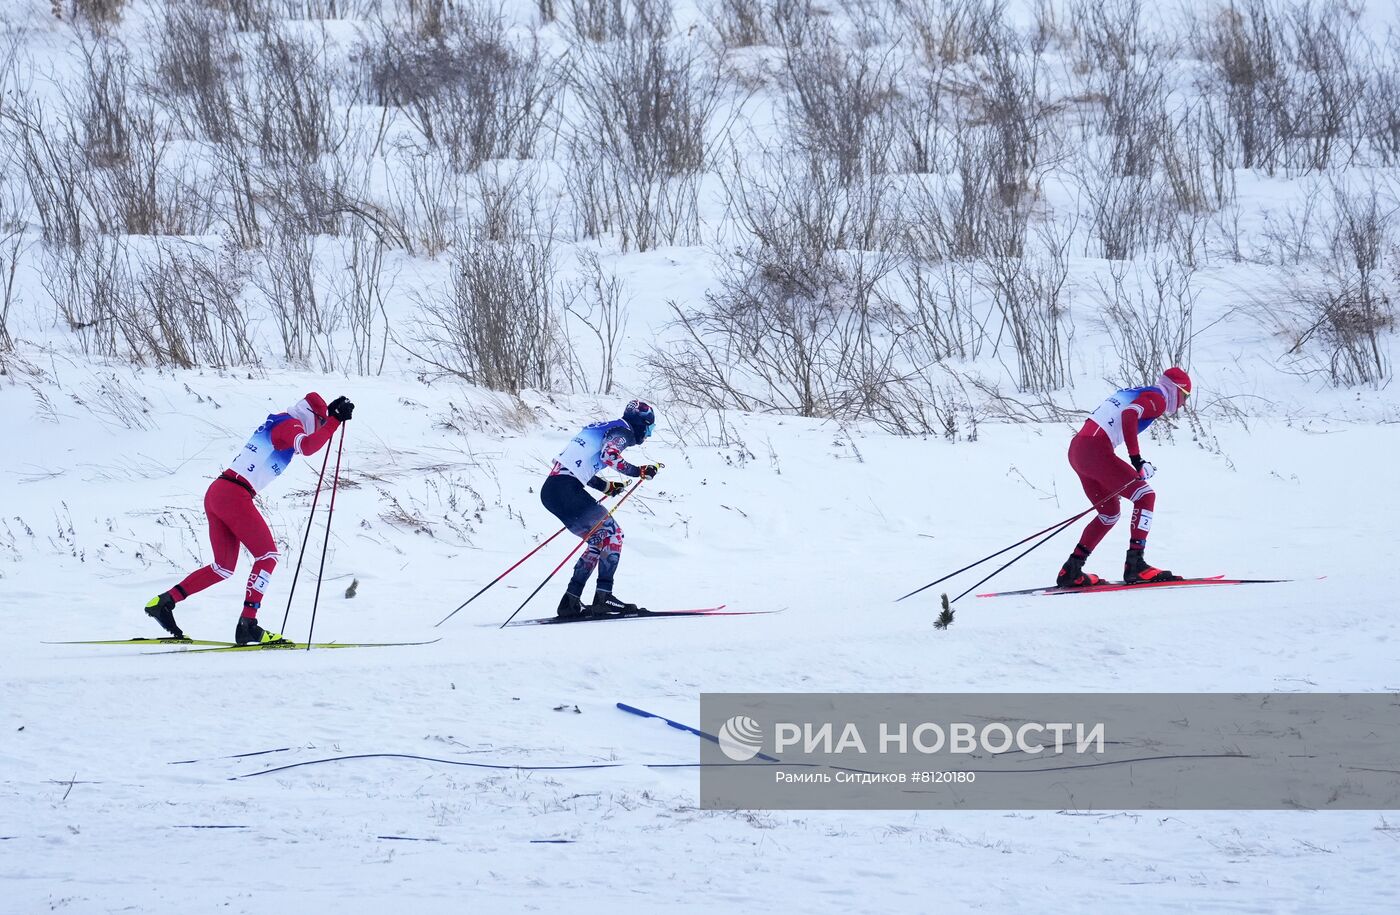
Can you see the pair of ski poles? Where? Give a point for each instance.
(320, 572)
(625, 496)
(1048, 532)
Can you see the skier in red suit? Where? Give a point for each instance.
(234, 519)
(1106, 477)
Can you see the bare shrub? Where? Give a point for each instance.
(1294, 235)
(236, 179)
(1030, 294)
(195, 61)
(497, 323)
(101, 15)
(1127, 216)
(1327, 87)
(841, 99)
(1246, 48)
(12, 247)
(788, 201)
(306, 323)
(1150, 315)
(953, 31)
(1013, 104)
(1380, 104)
(467, 86)
(782, 335)
(248, 15)
(646, 100)
(597, 305)
(333, 9)
(1195, 164)
(964, 216)
(1111, 36)
(922, 121)
(1289, 79)
(102, 107)
(90, 285)
(1336, 315)
(194, 47)
(1134, 117)
(426, 198)
(937, 301)
(51, 157)
(187, 311)
(144, 196)
(362, 287)
(287, 102)
(604, 20)
(639, 143)
(996, 132)
(168, 303)
(798, 323)
(743, 23)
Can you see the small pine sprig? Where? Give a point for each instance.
(354, 585)
(945, 616)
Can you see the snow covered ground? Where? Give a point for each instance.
(118, 772)
(140, 781)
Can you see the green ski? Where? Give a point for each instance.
(292, 646)
(168, 640)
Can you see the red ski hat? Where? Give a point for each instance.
(1176, 384)
(317, 403)
(310, 411)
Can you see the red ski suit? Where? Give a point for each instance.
(1106, 477)
(235, 520)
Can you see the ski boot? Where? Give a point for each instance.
(570, 606)
(605, 604)
(1072, 575)
(161, 608)
(250, 633)
(1136, 571)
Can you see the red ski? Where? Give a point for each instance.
(642, 615)
(1122, 586)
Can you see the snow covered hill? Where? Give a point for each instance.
(117, 764)
(872, 261)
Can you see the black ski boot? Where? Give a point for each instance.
(1136, 571)
(570, 606)
(1072, 575)
(250, 633)
(605, 604)
(162, 609)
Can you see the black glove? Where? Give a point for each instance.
(1145, 470)
(649, 470)
(613, 488)
(341, 408)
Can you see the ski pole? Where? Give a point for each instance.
(1054, 527)
(1017, 558)
(591, 532)
(305, 537)
(325, 545)
(504, 574)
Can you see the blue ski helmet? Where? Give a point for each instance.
(641, 418)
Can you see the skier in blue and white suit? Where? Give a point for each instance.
(596, 447)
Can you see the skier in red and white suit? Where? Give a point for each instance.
(1107, 478)
(235, 520)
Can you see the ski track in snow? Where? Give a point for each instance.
(96, 818)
